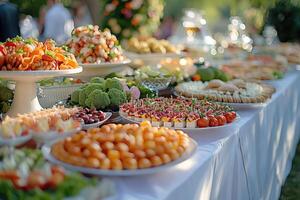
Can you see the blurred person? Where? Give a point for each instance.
(9, 20)
(58, 22)
(41, 21)
(29, 27)
(81, 14)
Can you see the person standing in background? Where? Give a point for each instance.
(58, 22)
(9, 20)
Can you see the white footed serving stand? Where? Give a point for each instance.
(101, 69)
(25, 97)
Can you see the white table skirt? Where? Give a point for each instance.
(249, 160)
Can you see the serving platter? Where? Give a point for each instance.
(25, 98)
(97, 124)
(192, 147)
(195, 130)
(101, 69)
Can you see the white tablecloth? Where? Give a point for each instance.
(249, 160)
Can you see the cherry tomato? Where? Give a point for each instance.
(233, 114)
(54, 180)
(221, 120)
(203, 122)
(213, 121)
(57, 169)
(36, 180)
(196, 77)
(10, 44)
(9, 175)
(47, 57)
(3, 50)
(229, 117)
(2, 58)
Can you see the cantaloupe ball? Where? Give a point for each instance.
(93, 162)
(165, 158)
(139, 153)
(156, 160)
(144, 163)
(130, 163)
(122, 147)
(116, 164)
(113, 154)
(105, 163)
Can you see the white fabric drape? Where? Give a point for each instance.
(249, 160)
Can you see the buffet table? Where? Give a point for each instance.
(249, 160)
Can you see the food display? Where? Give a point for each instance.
(122, 147)
(234, 91)
(257, 67)
(20, 54)
(31, 177)
(178, 112)
(6, 96)
(65, 81)
(291, 51)
(58, 120)
(89, 116)
(91, 45)
(210, 73)
(150, 45)
(102, 93)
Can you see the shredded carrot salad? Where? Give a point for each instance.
(29, 54)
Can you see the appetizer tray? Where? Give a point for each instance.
(192, 147)
(194, 130)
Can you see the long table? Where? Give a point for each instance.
(249, 160)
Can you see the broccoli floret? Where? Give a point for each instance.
(82, 98)
(5, 94)
(117, 97)
(113, 83)
(98, 99)
(97, 80)
(75, 96)
(93, 86)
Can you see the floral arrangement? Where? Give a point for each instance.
(132, 17)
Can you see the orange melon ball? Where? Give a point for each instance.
(116, 164)
(93, 162)
(156, 160)
(130, 163)
(107, 146)
(105, 163)
(139, 153)
(144, 163)
(165, 158)
(122, 147)
(126, 154)
(113, 154)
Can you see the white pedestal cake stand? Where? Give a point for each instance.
(101, 69)
(25, 98)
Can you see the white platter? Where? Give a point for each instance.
(236, 106)
(15, 141)
(101, 69)
(25, 98)
(105, 65)
(46, 149)
(194, 130)
(246, 106)
(152, 58)
(97, 124)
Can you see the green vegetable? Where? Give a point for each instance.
(113, 83)
(97, 80)
(93, 86)
(113, 75)
(5, 93)
(278, 74)
(206, 74)
(75, 96)
(146, 92)
(82, 97)
(117, 97)
(98, 99)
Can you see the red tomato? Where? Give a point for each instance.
(57, 169)
(10, 44)
(36, 180)
(9, 175)
(2, 58)
(203, 122)
(233, 114)
(213, 121)
(229, 117)
(47, 58)
(196, 77)
(54, 180)
(3, 50)
(221, 120)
